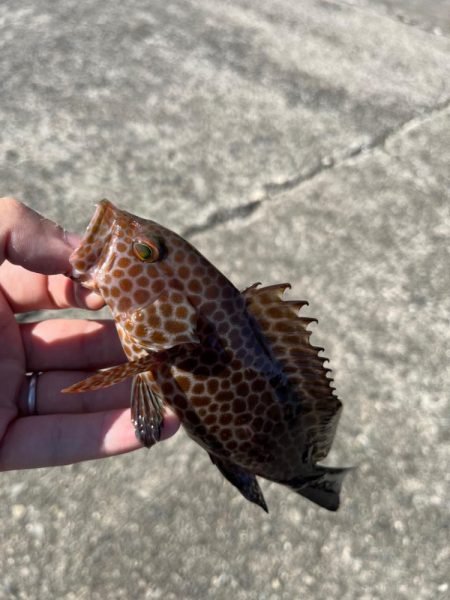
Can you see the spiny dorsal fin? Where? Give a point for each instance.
(287, 339)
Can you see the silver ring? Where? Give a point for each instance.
(32, 399)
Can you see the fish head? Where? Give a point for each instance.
(131, 262)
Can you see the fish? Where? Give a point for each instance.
(237, 367)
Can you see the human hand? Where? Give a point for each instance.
(34, 255)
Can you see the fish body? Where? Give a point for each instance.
(236, 367)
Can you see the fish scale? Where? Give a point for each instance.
(237, 367)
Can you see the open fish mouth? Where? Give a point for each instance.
(86, 259)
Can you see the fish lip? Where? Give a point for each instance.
(97, 219)
(105, 211)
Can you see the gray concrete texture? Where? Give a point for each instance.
(304, 141)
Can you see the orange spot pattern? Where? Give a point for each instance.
(266, 406)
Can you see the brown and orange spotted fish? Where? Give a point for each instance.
(236, 367)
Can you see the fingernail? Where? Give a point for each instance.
(89, 299)
(94, 301)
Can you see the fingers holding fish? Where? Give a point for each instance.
(34, 255)
(56, 440)
(26, 290)
(71, 343)
(39, 426)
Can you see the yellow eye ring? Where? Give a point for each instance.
(146, 251)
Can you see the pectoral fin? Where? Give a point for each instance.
(146, 409)
(113, 375)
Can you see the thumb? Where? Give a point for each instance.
(32, 241)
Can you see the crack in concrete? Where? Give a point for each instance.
(379, 141)
(272, 190)
(407, 20)
(222, 216)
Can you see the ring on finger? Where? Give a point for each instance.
(32, 394)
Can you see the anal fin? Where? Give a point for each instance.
(244, 481)
(146, 409)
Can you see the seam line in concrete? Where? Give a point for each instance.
(405, 20)
(377, 142)
(272, 190)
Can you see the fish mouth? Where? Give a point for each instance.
(87, 258)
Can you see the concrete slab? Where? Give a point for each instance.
(185, 108)
(300, 141)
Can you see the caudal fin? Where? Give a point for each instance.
(322, 486)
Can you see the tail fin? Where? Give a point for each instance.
(322, 486)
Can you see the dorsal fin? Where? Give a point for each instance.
(287, 339)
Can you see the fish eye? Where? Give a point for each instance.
(146, 251)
